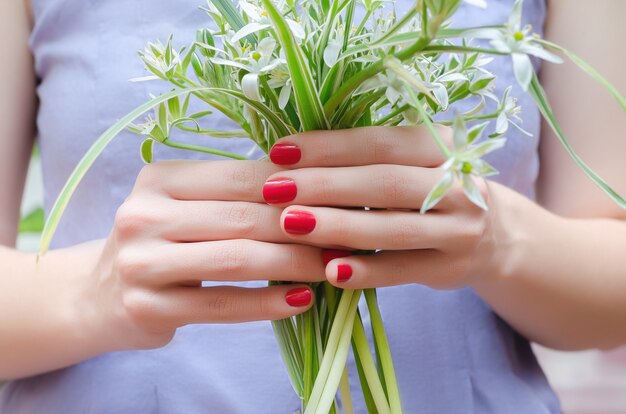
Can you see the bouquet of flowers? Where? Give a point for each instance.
(277, 68)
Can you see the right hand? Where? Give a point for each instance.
(191, 221)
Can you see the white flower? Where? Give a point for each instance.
(256, 62)
(279, 78)
(160, 59)
(509, 112)
(520, 43)
(465, 163)
(260, 20)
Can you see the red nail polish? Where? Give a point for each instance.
(330, 254)
(279, 190)
(298, 297)
(344, 272)
(299, 222)
(285, 153)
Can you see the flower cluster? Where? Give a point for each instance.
(327, 60)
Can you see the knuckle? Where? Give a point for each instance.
(230, 258)
(341, 232)
(131, 219)
(380, 146)
(150, 174)
(141, 308)
(323, 186)
(131, 267)
(472, 231)
(391, 186)
(242, 218)
(222, 306)
(245, 178)
(403, 234)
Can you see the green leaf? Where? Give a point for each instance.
(306, 95)
(101, 143)
(33, 222)
(146, 150)
(232, 16)
(538, 93)
(173, 105)
(384, 352)
(369, 367)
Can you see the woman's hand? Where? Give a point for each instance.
(188, 222)
(392, 169)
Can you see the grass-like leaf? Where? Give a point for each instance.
(307, 98)
(382, 344)
(538, 93)
(590, 70)
(101, 143)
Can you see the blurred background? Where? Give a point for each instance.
(589, 382)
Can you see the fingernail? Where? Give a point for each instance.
(285, 153)
(344, 272)
(330, 254)
(299, 222)
(298, 297)
(279, 190)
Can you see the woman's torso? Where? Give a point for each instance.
(452, 354)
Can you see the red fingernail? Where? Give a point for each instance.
(298, 297)
(344, 272)
(330, 254)
(299, 222)
(279, 190)
(285, 153)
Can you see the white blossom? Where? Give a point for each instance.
(520, 43)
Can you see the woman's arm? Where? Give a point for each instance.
(17, 114)
(566, 284)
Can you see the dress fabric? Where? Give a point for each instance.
(452, 353)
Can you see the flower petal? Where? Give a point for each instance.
(471, 191)
(296, 29)
(250, 86)
(523, 69)
(502, 123)
(331, 53)
(285, 94)
(438, 192)
(248, 29)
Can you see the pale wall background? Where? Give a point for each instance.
(587, 382)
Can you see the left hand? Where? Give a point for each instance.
(384, 168)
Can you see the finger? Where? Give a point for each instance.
(228, 260)
(193, 221)
(360, 146)
(207, 180)
(378, 186)
(371, 230)
(219, 304)
(391, 268)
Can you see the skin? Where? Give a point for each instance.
(552, 269)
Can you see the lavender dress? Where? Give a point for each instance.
(452, 353)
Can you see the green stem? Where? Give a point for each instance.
(356, 80)
(392, 114)
(180, 145)
(463, 49)
(429, 124)
(369, 368)
(472, 118)
(338, 339)
(382, 344)
(344, 392)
